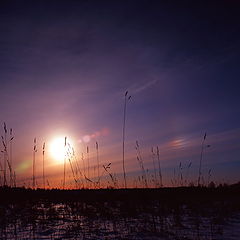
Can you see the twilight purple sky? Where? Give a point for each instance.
(65, 66)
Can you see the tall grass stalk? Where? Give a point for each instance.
(154, 166)
(43, 159)
(69, 156)
(10, 161)
(84, 170)
(141, 164)
(126, 98)
(112, 177)
(5, 155)
(159, 168)
(209, 176)
(34, 162)
(77, 163)
(14, 179)
(180, 176)
(187, 174)
(64, 164)
(98, 181)
(2, 166)
(201, 157)
(78, 172)
(88, 166)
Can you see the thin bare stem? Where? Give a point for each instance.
(84, 171)
(98, 164)
(159, 168)
(43, 156)
(123, 143)
(64, 164)
(10, 161)
(200, 162)
(5, 156)
(140, 161)
(34, 160)
(154, 167)
(88, 167)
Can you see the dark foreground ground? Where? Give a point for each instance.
(166, 213)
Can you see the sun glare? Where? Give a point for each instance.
(58, 149)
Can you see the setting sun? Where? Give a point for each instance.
(58, 149)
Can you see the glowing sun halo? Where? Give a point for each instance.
(58, 150)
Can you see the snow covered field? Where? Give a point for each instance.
(117, 220)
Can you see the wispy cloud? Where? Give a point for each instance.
(137, 89)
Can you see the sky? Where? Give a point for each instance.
(66, 65)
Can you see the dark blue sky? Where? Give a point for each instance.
(65, 65)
